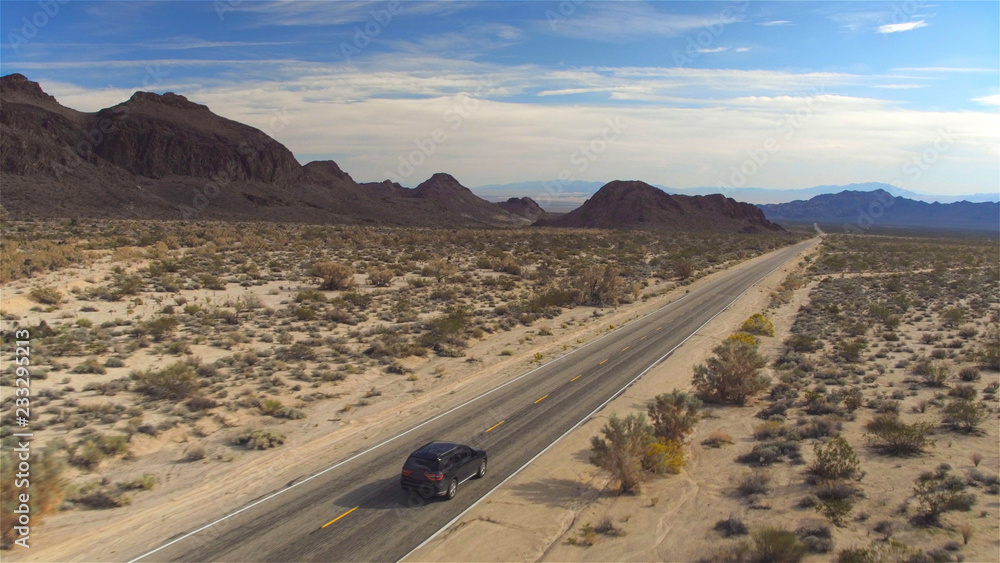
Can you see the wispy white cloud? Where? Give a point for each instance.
(742, 49)
(899, 86)
(944, 69)
(622, 22)
(470, 42)
(775, 23)
(993, 100)
(713, 50)
(900, 27)
(185, 43)
(314, 14)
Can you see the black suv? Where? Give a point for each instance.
(437, 468)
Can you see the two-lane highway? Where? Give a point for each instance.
(356, 511)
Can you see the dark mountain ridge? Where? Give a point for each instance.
(164, 156)
(880, 208)
(638, 205)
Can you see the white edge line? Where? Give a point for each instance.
(428, 421)
(593, 412)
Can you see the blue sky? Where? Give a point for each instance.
(682, 94)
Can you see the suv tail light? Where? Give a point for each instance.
(407, 472)
(434, 476)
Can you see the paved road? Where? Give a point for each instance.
(378, 522)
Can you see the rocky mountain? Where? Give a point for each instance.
(524, 207)
(451, 197)
(638, 205)
(862, 209)
(164, 156)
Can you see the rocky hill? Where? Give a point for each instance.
(638, 205)
(862, 209)
(524, 207)
(164, 156)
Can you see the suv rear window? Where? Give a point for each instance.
(421, 464)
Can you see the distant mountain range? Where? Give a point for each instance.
(165, 157)
(861, 210)
(556, 196)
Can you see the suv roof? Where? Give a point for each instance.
(435, 450)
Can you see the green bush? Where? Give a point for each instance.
(259, 439)
(939, 492)
(159, 327)
(879, 552)
(801, 342)
(965, 415)
(767, 547)
(953, 316)
(270, 406)
(673, 415)
(835, 460)
(46, 295)
(851, 349)
(989, 353)
(89, 366)
(176, 381)
(890, 434)
(621, 451)
(731, 375)
(836, 509)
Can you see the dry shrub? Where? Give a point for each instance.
(731, 376)
(621, 451)
(334, 276)
(890, 434)
(46, 491)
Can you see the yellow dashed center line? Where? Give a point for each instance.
(602, 362)
(659, 328)
(575, 378)
(625, 348)
(643, 338)
(540, 400)
(495, 425)
(341, 516)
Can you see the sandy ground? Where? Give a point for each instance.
(228, 478)
(531, 515)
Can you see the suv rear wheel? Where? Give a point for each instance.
(482, 470)
(452, 489)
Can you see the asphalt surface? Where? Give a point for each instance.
(377, 521)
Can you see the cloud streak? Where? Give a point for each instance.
(901, 27)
